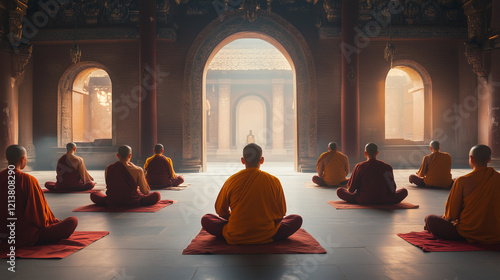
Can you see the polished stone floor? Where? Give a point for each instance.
(361, 244)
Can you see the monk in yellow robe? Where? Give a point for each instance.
(472, 211)
(160, 170)
(24, 208)
(435, 170)
(72, 174)
(126, 185)
(332, 167)
(251, 206)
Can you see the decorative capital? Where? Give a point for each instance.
(20, 59)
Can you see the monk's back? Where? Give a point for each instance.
(158, 170)
(256, 201)
(121, 185)
(376, 177)
(480, 218)
(439, 171)
(335, 168)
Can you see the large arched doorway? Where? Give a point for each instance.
(249, 97)
(85, 105)
(283, 36)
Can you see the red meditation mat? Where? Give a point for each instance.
(426, 241)
(150, 208)
(77, 241)
(300, 242)
(340, 204)
(64, 191)
(177, 188)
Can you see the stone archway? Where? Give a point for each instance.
(64, 100)
(286, 38)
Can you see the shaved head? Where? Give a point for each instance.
(70, 146)
(158, 148)
(252, 153)
(124, 151)
(332, 146)
(434, 145)
(371, 149)
(481, 154)
(14, 153)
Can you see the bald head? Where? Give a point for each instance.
(434, 145)
(332, 146)
(481, 154)
(371, 149)
(14, 154)
(124, 151)
(158, 148)
(70, 147)
(252, 153)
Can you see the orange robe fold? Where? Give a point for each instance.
(254, 203)
(31, 209)
(478, 213)
(122, 188)
(436, 170)
(159, 170)
(335, 167)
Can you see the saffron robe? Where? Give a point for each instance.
(373, 182)
(436, 170)
(125, 185)
(159, 170)
(254, 204)
(31, 209)
(71, 173)
(333, 166)
(474, 201)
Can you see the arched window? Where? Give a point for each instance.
(91, 106)
(404, 104)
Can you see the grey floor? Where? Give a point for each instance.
(360, 244)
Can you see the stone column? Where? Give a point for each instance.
(494, 86)
(278, 117)
(147, 45)
(224, 139)
(350, 81)
(7, 118)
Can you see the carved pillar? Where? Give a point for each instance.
(224, 143)
(494, 86)
(350, 82)
(147, 111)
(278, 117)
(6, 105)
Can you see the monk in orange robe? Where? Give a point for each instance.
(372, 182)
(251, 206)
(435, 170)
(332, 167)
(160, 170)
(72, 174)
(472, 211)
(25, 211)
(126, 184)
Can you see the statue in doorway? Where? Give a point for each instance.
(250, 138)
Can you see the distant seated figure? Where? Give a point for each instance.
(435, 170)
(35, 223)
(160, 170)
(126, 184)
(472, 211)
(251, 206)
(72, 174)
(372, 182)
(250, 138)
(332, 167)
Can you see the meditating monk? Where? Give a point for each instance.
(72, 174)
(251, 206)
(472, 211)
(160, 170)
(332, 167)
(24, 208)
(372, 182)
(435, 170)
(126, 184)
